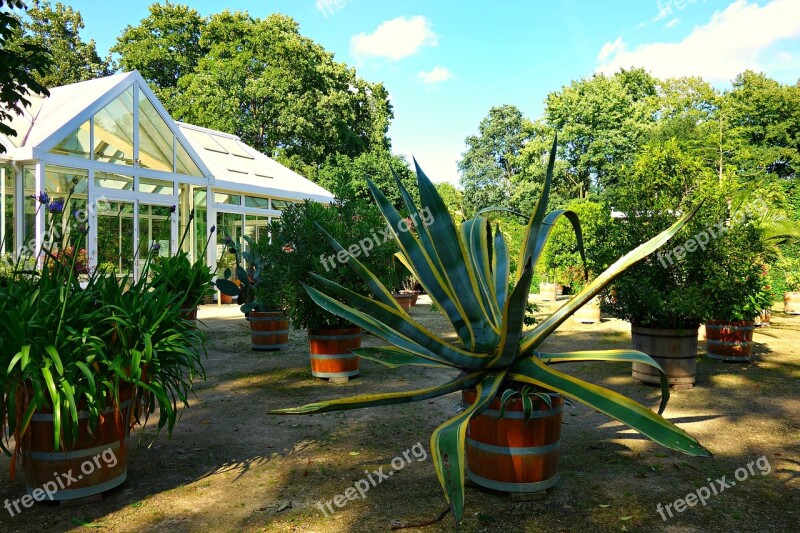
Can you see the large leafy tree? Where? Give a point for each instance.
(22, 64)
(56, 28)
(260, 79)
(492, 161)
(163, 47)
(602, 121)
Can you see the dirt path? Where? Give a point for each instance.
(231, 467)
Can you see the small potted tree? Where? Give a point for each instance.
(259, 291)
(790, 266)
(355, 223)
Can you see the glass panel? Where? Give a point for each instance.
(224, 198)
(205, 140)
(256, 227)
(29, 193)
(228, 225)
(76, 144)
(184, 164)
(67, 189)
(113, 131)
(115, 237)
(200, 223)
(155, 138)
(233, 147)
(280, 205)
(7, 194)
(155, 186)
(119, 182)
(155, 224)
(254, 201)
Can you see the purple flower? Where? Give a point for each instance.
(156, 247)
(173, 208)
(83, 228)
(56, 207)
(213, 229)
(43, 198)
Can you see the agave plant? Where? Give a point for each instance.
(465, 271)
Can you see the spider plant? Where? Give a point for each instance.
(465, 270)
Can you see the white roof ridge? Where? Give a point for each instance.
(207, 130)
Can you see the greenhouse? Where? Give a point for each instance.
(109, 150)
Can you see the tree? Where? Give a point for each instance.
(57, 30)
(23, 63)
(453, 198)
(492, 159)
(260, 79)
(347, 177)
(164, 47)
(601, 121)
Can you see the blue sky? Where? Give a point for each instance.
(445, 63)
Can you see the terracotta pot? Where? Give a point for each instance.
(674, 349)
(510, 455)
(86, 468)
(791, 303)
(268, 330)
(404, 299)
(331, 355)
(190, 314)
(730, 341)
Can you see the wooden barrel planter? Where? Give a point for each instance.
(509, 455)
(85, 469)
(414, 297)
(190, 314)
(548, 291)
(730, 341)
(589, 313)
(331, 355)
(404, 299)
(791, 303)
(764, 319)
(268, 330)
(674, 349)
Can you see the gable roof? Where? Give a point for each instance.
(237, 166)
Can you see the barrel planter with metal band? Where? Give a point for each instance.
(331, 351)
(764, 319)
(548, 291)
(589, 313)
(98, 462)
(269, 330)
(791, 303)
(189, 313)
(510, 455)
(674, 349)
(730, 341)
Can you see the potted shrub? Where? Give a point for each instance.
(735, 286)
(791, 272)
(492, 352)
(356, 223)
(227, 265)
(110, 351)
(259, 291)
(190, 280)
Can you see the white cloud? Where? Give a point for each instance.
(610, 49)
(435, 75)
(394, 39)
(731, 42)
(672, 23)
